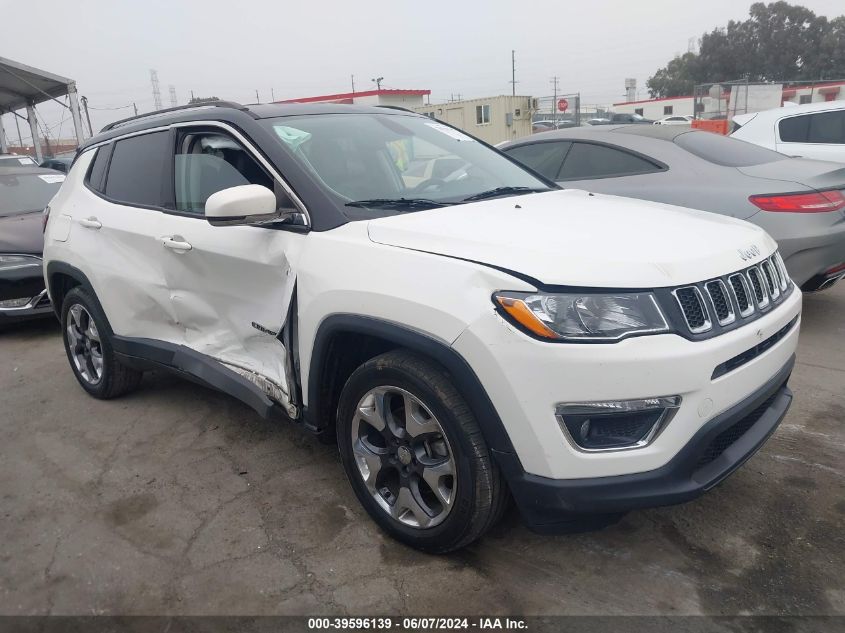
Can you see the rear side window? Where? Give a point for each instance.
(137, 170)
(824, 127)
(98, 168)
(587, 160)
(544, 158)
(725, 151)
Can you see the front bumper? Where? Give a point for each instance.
(714, 452)
(24, 284)
(38, 306)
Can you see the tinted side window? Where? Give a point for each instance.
(136, 173)
(208, 162)
(544, 158)
(824, 127)
(586, 160)
(98, 168)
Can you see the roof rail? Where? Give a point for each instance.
(190, 106)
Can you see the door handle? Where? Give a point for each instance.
(176, 244)
(91, 223)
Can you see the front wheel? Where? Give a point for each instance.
(415, 456)
(89, 349)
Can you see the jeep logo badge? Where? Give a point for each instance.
(748, 253)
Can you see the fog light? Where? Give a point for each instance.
(14, 303)
(614, 425)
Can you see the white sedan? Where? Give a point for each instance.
(674, 120)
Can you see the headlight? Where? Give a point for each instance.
(11, 262)
(584, 316)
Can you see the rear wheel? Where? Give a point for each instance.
(89, 348)
(415, 455)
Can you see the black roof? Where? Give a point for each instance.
(231, 112)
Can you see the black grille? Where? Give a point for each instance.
(730, 300)
(726, 438)
(769, 279)
(691, 306)
(720, 302)
(742, 298)
(754, 276)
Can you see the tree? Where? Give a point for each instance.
(778, 42)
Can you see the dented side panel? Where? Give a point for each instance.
(231, 293)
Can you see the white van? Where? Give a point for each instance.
(813, 130)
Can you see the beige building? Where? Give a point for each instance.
(492, 119)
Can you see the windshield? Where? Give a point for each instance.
(22, 193)
(395, 162)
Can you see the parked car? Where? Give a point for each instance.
(623, 117)
(675, 120)
(16, 160)
(59, 163)
(24, 193)
(464, 339)
(799, 202)
(812, 130)
(598, 121)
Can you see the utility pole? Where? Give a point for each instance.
(257, 98)
(135, 108)
(272, 95)
(84, 100)
(513, 72)
(353, 84)
(554, 81)
(173, 103)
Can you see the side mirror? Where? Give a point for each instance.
(244, 204)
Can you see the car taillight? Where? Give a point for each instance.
(45, 215)
(816, 202)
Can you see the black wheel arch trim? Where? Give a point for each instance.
(61, 268)
(465, 379)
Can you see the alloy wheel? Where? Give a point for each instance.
(84, 344)
(404, 457)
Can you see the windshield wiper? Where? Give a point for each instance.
(397, 203)
(503, 191)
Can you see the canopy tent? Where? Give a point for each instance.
(24, 87)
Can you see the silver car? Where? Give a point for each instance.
(800, 202)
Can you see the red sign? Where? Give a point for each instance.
(562, 105)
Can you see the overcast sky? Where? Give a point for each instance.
(293, 49)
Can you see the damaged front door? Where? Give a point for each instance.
(231, 287)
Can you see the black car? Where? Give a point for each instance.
(24, 193)
(59, 163)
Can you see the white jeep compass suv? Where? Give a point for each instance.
(469, 336)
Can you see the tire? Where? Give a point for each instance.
(440, 446)
(87, 337)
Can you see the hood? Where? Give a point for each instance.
(22, 234)
(574, 238)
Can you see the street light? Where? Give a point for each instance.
(377, 82)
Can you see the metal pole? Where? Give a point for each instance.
(33, 129)
(74, 113)
(4, 146)
(87, 115)
(136, 107)
(18, 126)
(513, 73)
(257, 99)
(353, 84)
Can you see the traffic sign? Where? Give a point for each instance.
(562, 105)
